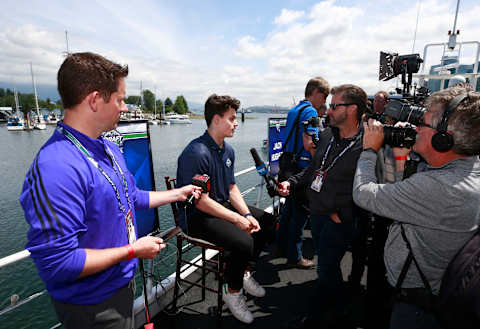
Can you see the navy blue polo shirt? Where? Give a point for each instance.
(203, 156)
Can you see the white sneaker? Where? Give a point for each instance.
(236, 303)
(251, 286)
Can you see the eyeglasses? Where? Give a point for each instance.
(334, 106)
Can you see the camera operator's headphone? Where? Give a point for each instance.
(442, 141)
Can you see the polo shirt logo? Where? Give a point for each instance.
(228, 162)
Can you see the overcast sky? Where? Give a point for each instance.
(262, 52)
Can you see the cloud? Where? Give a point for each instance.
(265, 60)
(288, 16)
(342, 43)
(248, 49)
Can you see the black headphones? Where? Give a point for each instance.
(442, 141)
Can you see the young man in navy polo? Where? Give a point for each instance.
(221, 216)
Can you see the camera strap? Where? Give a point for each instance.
(407, 264)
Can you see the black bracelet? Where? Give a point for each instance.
(247, 214)
(370, 150)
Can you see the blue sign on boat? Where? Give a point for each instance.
(275, 144)
(133, 138)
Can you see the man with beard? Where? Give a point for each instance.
(328, 182)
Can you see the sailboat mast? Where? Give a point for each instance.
(141, 95)
(35, 91)
(163, 109)
(155, 103)
(15, 95)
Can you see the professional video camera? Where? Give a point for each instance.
(408, 109)
(404, 111)
(314, 122)
(392, 65)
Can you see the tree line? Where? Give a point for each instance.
(180, 106)
(26, 101)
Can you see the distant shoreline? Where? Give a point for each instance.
(201, 116)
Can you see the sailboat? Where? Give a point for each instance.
(40, 123)
(154, 121)
(16, 122)
(164, 121)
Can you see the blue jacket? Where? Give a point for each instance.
(307, 113)
(70, 206)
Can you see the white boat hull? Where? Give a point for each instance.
(180, 121)
(15, 128)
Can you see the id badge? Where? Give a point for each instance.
(130, 228)
(318, 181)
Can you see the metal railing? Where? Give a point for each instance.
(24, 254)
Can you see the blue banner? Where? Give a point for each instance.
(134, 140)
(275, 144)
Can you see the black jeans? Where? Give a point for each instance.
(243, 247)
(113, 313)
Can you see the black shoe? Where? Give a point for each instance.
(302, 322)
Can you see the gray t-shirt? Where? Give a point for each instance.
(439, 209)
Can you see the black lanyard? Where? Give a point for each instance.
(109, 153)
(322, 166)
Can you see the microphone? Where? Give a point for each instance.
(263, 171)
(261, 167)
(202, 181)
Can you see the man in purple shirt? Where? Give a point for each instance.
(80, 199)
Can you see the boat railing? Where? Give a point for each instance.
(442, 72)
(153, 290)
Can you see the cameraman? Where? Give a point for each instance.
(438, 208)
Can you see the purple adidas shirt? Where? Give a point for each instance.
(70, 206)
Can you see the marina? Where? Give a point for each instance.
(24, 302)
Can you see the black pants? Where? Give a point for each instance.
(113, 313)
(379, 292)
(243, 247)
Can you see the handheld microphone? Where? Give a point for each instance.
(263, 171)
(202, 181)
(259, 164)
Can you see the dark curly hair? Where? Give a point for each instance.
(219, 105)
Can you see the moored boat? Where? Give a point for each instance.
(178, 118)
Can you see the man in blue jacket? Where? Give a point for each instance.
(80, 199)
(294, 213)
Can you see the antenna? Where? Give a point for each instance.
(66, 40)
(452, 35)
(419, 4)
